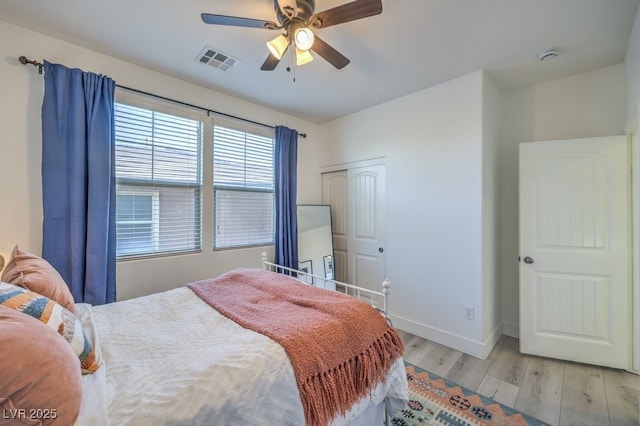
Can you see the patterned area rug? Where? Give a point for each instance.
(434, 400)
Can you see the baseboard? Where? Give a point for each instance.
(491, 341)
(511, 329)
(463, 344)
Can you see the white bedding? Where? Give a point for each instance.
(170, 359)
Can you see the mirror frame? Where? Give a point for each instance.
(327, 260)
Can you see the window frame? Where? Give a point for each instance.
(256, 130)
(166, 107)
(206, 187)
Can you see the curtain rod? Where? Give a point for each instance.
(24, 61)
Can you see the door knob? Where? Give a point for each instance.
(528, 260)
(380, 249)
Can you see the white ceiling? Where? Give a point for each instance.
(412, 45)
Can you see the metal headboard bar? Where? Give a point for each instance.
(386, 284)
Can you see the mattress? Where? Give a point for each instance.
(170, 359)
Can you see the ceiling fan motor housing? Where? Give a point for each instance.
(305, 10)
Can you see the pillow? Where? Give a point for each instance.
(55, 316)
(36, 274)
(40, 382)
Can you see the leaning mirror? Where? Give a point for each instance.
(315, 242)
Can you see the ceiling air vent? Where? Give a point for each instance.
(216, 59)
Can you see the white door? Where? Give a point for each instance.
(366, 229)
(575, 293)
(334, 193)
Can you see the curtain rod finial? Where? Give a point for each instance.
(24, 61)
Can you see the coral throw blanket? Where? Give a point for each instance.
(340, 347)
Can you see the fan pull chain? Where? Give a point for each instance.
(290, 56)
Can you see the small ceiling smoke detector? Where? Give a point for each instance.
(215, 58)
(548, 54)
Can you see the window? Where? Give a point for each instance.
(164, 153)
(243, 188)
(158, 175)
(137, 221)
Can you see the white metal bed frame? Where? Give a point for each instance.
(376, 298)
(358, 292)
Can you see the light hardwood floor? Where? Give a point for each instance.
(556, 392)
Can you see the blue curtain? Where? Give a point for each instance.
(78, 181)
(286, 165)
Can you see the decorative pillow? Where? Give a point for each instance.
(55, 316)
(40, 382)
(36, 274)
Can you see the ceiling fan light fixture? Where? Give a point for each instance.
(298, 19)
(278, 46)
(303, 38)
(303, 57)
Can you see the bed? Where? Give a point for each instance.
(173, 358)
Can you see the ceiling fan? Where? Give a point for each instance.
(299, 21)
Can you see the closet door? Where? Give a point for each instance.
(334, 193)
(357, 199)
(366, 228)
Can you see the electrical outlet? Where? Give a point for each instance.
(469, 312)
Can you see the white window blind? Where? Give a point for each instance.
(243, 188)
(159, 180)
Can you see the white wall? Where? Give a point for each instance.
(632, 64)
(430, 140)
(432, 143)
(585, 105)
(491, 288)
(22, 91)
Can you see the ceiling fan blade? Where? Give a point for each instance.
(330, 54)
(347, 12)
(209, 18)
(270, 63)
